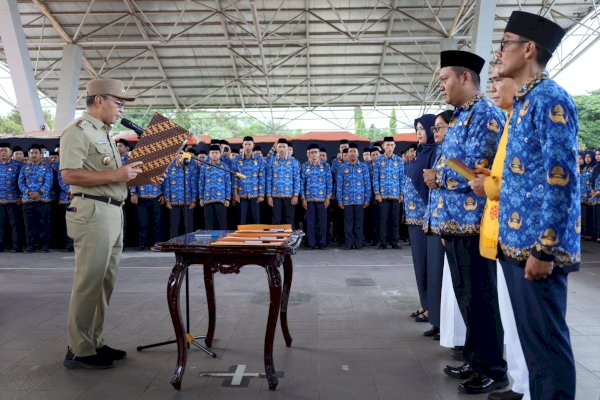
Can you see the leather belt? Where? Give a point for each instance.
(102, 199)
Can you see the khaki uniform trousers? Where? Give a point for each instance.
(97, 232)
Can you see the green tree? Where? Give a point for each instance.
(359, 121)
(588, 108)
(12, 122)
(393, 122)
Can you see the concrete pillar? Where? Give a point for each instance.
(68, 85)
(482, 35)
(21, 70)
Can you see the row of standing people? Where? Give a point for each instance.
(589, 169)
(511, 234)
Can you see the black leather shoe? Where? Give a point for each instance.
(396, 246)
(110, 353)
(432, 331)
(422, 318)
(88, 362)
(382, 246)
(436, 336)
(507, 395)
(416, 313)
(479, 383)
(463, 372)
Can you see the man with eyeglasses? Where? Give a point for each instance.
(472, 137)
(315, 190)
(540, 220)
(91, 164)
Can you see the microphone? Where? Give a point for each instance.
(133, 126)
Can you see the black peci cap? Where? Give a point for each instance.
(459, 58)
(313, 146)
(388, 139)
(248, 139)
(214, 147)
(353, 146)
(282, 140)
(544, 32)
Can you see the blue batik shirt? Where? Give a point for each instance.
(173, 185)
(148, 191)
(64, 189)
(472, 137)
(36, 178)
(316, 182)
(586, 185)
(283, 177)
(254, 169)
(414, 206)
(388, 177)
(354, 184)
(9, 182)
(596, 187)
(435, 205)
(214, 184)
(540, 212)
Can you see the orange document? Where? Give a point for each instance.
(461, 168)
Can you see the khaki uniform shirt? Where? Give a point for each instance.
(86, 144)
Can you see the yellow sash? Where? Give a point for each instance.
(490, 228)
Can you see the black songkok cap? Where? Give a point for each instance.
(202, 152)
(124, 142)
(388, 139)
(353, 146)
(313, 146)
(534, 27)
(214, 147)
(248, 139)
(344, 141)
(193, 151)
(323, 150)
(54, 153)
(367, 150)
(17, 148)
(225, 142)
(458, 58)
(215, 141)
(35, 146)
(5, 145)
(345, 151)
(283, 140)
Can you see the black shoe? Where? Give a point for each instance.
(353, 246)
(463, 372)
(88, 362)
(507, 395)
(142, 248)
(110, 353)
(479, 383)
(416, 313)
(432, 331)
(457, 354)
(383, 246)
(347, 247)
(375, 243)
(421, 318)
(45, 251)
(436, 336)
(357, 247)
(396, 246)
(322, 246)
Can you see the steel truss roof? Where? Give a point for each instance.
(244, 54)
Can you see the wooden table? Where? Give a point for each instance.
(194, 249)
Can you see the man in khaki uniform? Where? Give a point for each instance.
(91, 164)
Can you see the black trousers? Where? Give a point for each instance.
(63, 230)
(587, 220)
(249, 211)
(597, 221)
(9, 222)
(474, 282)
(282, 211)
(148, 211)
(418, 247)
(316, 224)
(181, 215)
(215, 216)
(540, 308)
(353, 225)
(376, 221)
(435, 274)
(37, 224)
(389, 221)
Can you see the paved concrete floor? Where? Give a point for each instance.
(350, 342)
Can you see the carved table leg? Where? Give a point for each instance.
(210, 302)
(288, 270)
(173, 289)
(275, 297)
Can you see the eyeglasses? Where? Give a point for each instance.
(503, 43)
(436, 129)
(118, 103)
